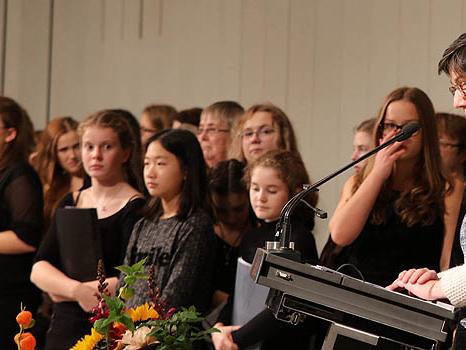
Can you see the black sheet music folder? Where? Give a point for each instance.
(79, 242)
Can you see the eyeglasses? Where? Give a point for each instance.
(211, 131)
(152, 131)
(449, 144)
(261, 133)
(389, 127)
(461, 88)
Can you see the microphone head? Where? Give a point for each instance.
(408, 130)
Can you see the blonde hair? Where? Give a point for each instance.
(287, 138)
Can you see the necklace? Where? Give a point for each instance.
(108, 202)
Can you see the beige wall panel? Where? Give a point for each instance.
(276, 52)
(2, 42)
(446, 25)
(253, 52)
(209, 52)
(354, 81)
(384, 50)
(301, 88)
(414, 36)
(326, 109)
(131, 19)
(79, 31)
(229, 52)
(299, 95)
(152, 18)
(26, 60)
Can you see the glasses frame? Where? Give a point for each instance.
(460, 88)
(211, 130)
(260, 133)
(449, 144)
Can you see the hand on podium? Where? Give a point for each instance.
(423, 283)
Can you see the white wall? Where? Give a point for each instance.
(327, 63)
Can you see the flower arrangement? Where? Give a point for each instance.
(148, 326)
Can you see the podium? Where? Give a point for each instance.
(364, 312)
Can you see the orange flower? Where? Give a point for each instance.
(24, 318)
(26, 341)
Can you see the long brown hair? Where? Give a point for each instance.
(55, 180)
(424, 202)
(15, 117)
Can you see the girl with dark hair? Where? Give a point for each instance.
(21, 217)
(176, 234)
(234, 216)
(107, 153)
(392, 215)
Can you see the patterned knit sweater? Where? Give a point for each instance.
(182, 253)
(453, 281)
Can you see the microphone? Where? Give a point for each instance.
(407, 131)
(283, 225)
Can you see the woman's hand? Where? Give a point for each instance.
(223, 340)
(85, 294)
(423, 283)
(385, 158)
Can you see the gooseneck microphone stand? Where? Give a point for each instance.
(283, 228)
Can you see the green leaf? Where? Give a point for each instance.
(99, 327)
(127, 321)
(30, 325)
(124, 268)
(138, 267)
(130, 280)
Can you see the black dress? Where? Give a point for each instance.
(21, 211)
(381, 252)
(69, 322)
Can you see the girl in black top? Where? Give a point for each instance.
(234, 216)
(271, 185)
(392, 214)
(109, 158)
(21, 220)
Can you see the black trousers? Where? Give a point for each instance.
(69, 323)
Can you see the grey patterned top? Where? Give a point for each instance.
(182, 252)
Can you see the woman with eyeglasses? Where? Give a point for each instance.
(262, 128)
(392, 215)
(215, 129)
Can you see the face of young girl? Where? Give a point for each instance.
(163, 174)
(400, 113)
(259, 136)
(268, 193)
(102, 154)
